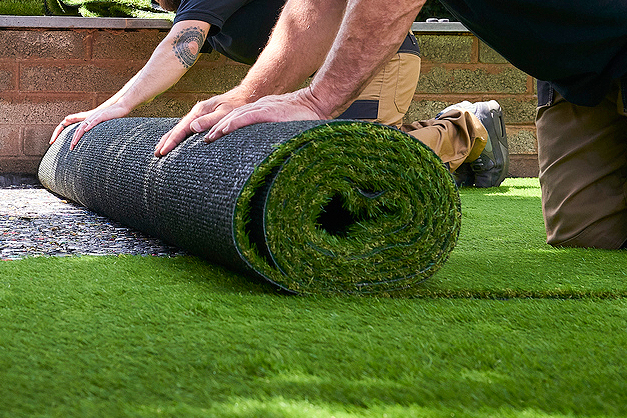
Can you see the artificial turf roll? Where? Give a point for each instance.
(313, 206)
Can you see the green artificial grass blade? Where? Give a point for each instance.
(502, 252)
(116, 8)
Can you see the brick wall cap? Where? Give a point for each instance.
(77, 22)
(450, 27)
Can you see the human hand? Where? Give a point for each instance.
(299, 105)
(67, 121)
(97, 116)
(202, 117)
(88, 120)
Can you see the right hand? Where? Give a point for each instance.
(88, 120)
(202, 117)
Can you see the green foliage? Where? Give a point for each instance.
(509, 327)
(22, 8)
(86, 8)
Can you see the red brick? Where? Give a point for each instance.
(8, 74)
(522, 140)
(125, 44)
(36, 139)
(19, 165)
(166, 106)
(108, 77)
(211, 79)
(446, 48)
(493, 79)
(10, 141)
(31, 109)
(59, 45)
(523, 165)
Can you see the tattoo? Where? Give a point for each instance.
(187, 44)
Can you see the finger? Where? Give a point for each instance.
(217, 130)
(174, 137)
(76, 117)
(182, 130)
(161, 142)
(57, 131)
(78, 134)
(238, 118)
(67, 121)
(206, 122)
(84, 127)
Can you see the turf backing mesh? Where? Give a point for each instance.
(314, 206)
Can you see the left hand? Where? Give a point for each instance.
(299, 105)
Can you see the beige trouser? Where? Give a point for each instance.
(582, 152)
(456, 137)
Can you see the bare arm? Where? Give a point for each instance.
(168, 63)
(370, 33)
(297, 47)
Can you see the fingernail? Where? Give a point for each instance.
(195, 126)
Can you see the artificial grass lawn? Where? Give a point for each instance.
(508, 327)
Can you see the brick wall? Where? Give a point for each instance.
(50, 67)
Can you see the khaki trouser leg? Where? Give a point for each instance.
(456, 137)
(582, 153)
(394, 87)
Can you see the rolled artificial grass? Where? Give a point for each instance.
(339, 207)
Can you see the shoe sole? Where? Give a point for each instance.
(497, 135)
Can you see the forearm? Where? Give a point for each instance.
(113, 99)
(370, 33)
(168, 63)
(297, 47)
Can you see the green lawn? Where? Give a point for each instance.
(509, 327)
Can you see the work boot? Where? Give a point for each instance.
(464, 176)
(490, 169)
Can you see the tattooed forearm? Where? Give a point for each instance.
(187, 45)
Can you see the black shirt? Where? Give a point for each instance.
(580, 46)
(239, 28)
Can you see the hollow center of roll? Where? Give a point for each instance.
(337, 220)
(334, 218)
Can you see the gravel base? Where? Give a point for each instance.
(35, 222)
